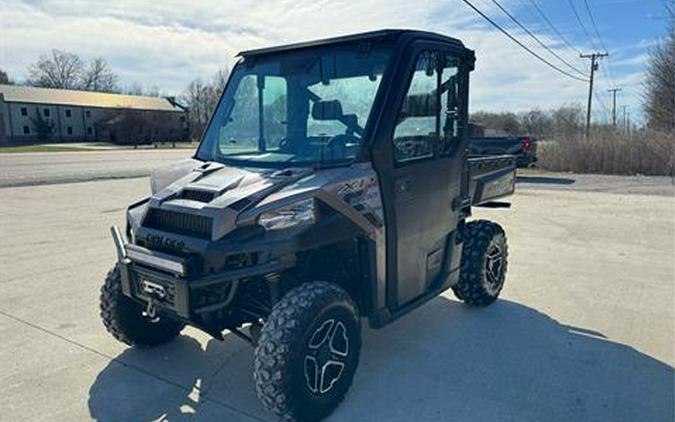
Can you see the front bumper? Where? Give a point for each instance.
(163, 280)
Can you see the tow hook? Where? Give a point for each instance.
(150, 312)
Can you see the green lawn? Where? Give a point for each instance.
(77, 148)
(41, 148)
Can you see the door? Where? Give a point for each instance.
(423, 185)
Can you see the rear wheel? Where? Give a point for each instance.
(484, 262)
(308, 352)
(123, 317)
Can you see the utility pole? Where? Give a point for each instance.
(628, 123)
(614, 91)
(594, 66)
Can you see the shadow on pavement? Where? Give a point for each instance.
(443, 362)
(545, 180)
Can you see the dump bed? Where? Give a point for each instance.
(491, 177)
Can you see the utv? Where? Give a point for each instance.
(331, 185)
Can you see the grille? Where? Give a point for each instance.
(179, 223)
(198, 195)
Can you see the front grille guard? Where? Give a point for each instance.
(175, 269)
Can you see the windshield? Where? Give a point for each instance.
(306, 107)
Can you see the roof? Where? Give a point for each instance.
(25, 94)
(363, 36)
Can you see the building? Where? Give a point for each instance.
(58, 115)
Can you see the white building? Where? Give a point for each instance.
(45, 114)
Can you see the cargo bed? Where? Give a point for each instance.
(491, 177)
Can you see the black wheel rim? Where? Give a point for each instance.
(326, 357)
(494, 266)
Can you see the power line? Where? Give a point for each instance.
(513, 18)
(595, 27)
(505, 32)
(581, 23)
(609, 72)
(553, 27)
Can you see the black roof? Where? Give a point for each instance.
(363, 36)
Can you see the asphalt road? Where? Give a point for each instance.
(584, 330)
(53, 168)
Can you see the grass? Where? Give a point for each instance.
(79, 148)
(610, 152)
(41, 148)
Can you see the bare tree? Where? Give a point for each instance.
(134, 89)
(97, 76)
(195, 98)
(660, 82)
(201, 98)
(505, 122)
(58, 69)
(4, 78)
(153, 91)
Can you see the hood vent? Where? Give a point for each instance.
(198, 195)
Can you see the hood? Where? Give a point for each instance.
(212, 194)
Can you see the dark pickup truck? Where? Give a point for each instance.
(524, 148)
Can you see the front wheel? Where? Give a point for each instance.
(123, 317)
(484, 261)
(308, 352)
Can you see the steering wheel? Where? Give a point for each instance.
(341, 140)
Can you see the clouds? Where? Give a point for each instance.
(169, 43)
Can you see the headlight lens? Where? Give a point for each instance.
(301, 212)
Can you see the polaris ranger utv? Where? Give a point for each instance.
(331, 186)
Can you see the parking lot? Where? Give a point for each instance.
(584, 330)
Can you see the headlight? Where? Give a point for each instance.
(301, 212)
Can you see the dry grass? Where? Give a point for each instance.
(611, 152)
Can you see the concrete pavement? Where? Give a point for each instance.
(584, 330)
(28, 169)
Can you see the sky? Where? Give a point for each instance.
(169, 43)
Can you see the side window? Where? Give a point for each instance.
(417, 128)
(452, 111)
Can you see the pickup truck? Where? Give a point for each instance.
(524, 148)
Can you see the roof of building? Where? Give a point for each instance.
(25, 94)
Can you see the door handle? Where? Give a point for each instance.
(403, 185)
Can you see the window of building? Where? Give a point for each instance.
(24, 111)
(68, 113)
(26, 130)
(89, 130)
(69, 129)
(87, 114)
(46, 112)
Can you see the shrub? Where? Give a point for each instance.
(608, 151)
